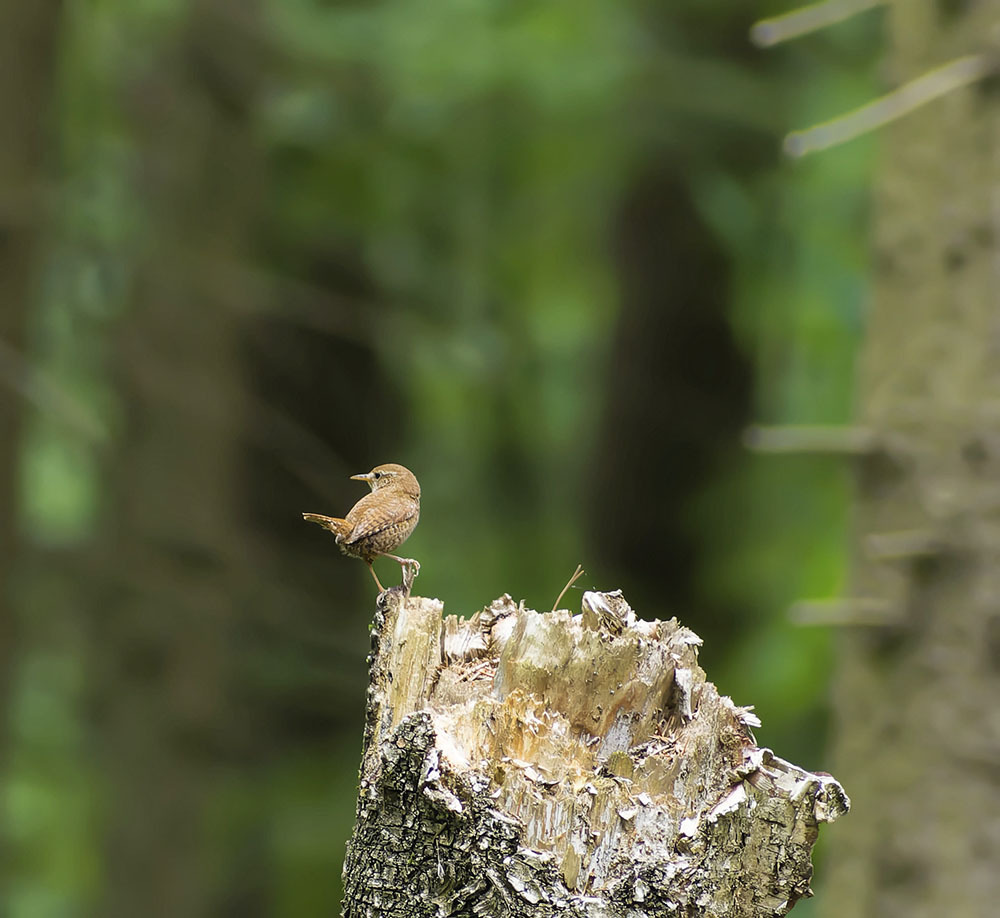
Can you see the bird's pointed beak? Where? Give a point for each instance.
(366, 477)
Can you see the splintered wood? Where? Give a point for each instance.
(520, 763)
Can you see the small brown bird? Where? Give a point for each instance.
(381, 521)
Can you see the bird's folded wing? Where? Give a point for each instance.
(371, 518)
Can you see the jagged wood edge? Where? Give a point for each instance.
(457, 850)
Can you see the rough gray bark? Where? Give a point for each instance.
(531, 764)
(918, 738)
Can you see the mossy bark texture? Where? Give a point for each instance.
(522, 764)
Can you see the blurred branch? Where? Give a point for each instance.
(904, 545)
(306, 456)
(888, 108)
(850, 611)
(806, 19)
(810, 438)
(258, 291)
(18, 374)
(263, 292)
(711, 88)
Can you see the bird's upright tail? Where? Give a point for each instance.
(336, 525)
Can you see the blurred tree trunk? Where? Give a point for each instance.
(919, 728)
(163, 648)
(28, 33)
(673, 339)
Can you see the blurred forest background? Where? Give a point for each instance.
(547, 255)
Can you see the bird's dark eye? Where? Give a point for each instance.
(378, 475)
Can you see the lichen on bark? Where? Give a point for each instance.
(522, 764)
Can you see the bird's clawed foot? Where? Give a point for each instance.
(410, 566)
(410, 570)
(404, 562)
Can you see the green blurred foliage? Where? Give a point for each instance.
(471, 160)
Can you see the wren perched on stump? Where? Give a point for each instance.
(381, 521)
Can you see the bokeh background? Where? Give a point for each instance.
(547, 255)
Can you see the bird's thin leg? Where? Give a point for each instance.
(405, 562)
(371, 567)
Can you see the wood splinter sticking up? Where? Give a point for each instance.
(522, 764)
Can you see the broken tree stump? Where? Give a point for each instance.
(520, 764)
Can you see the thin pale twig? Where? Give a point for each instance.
(908, 97)
(577, 574)
(806, 19)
